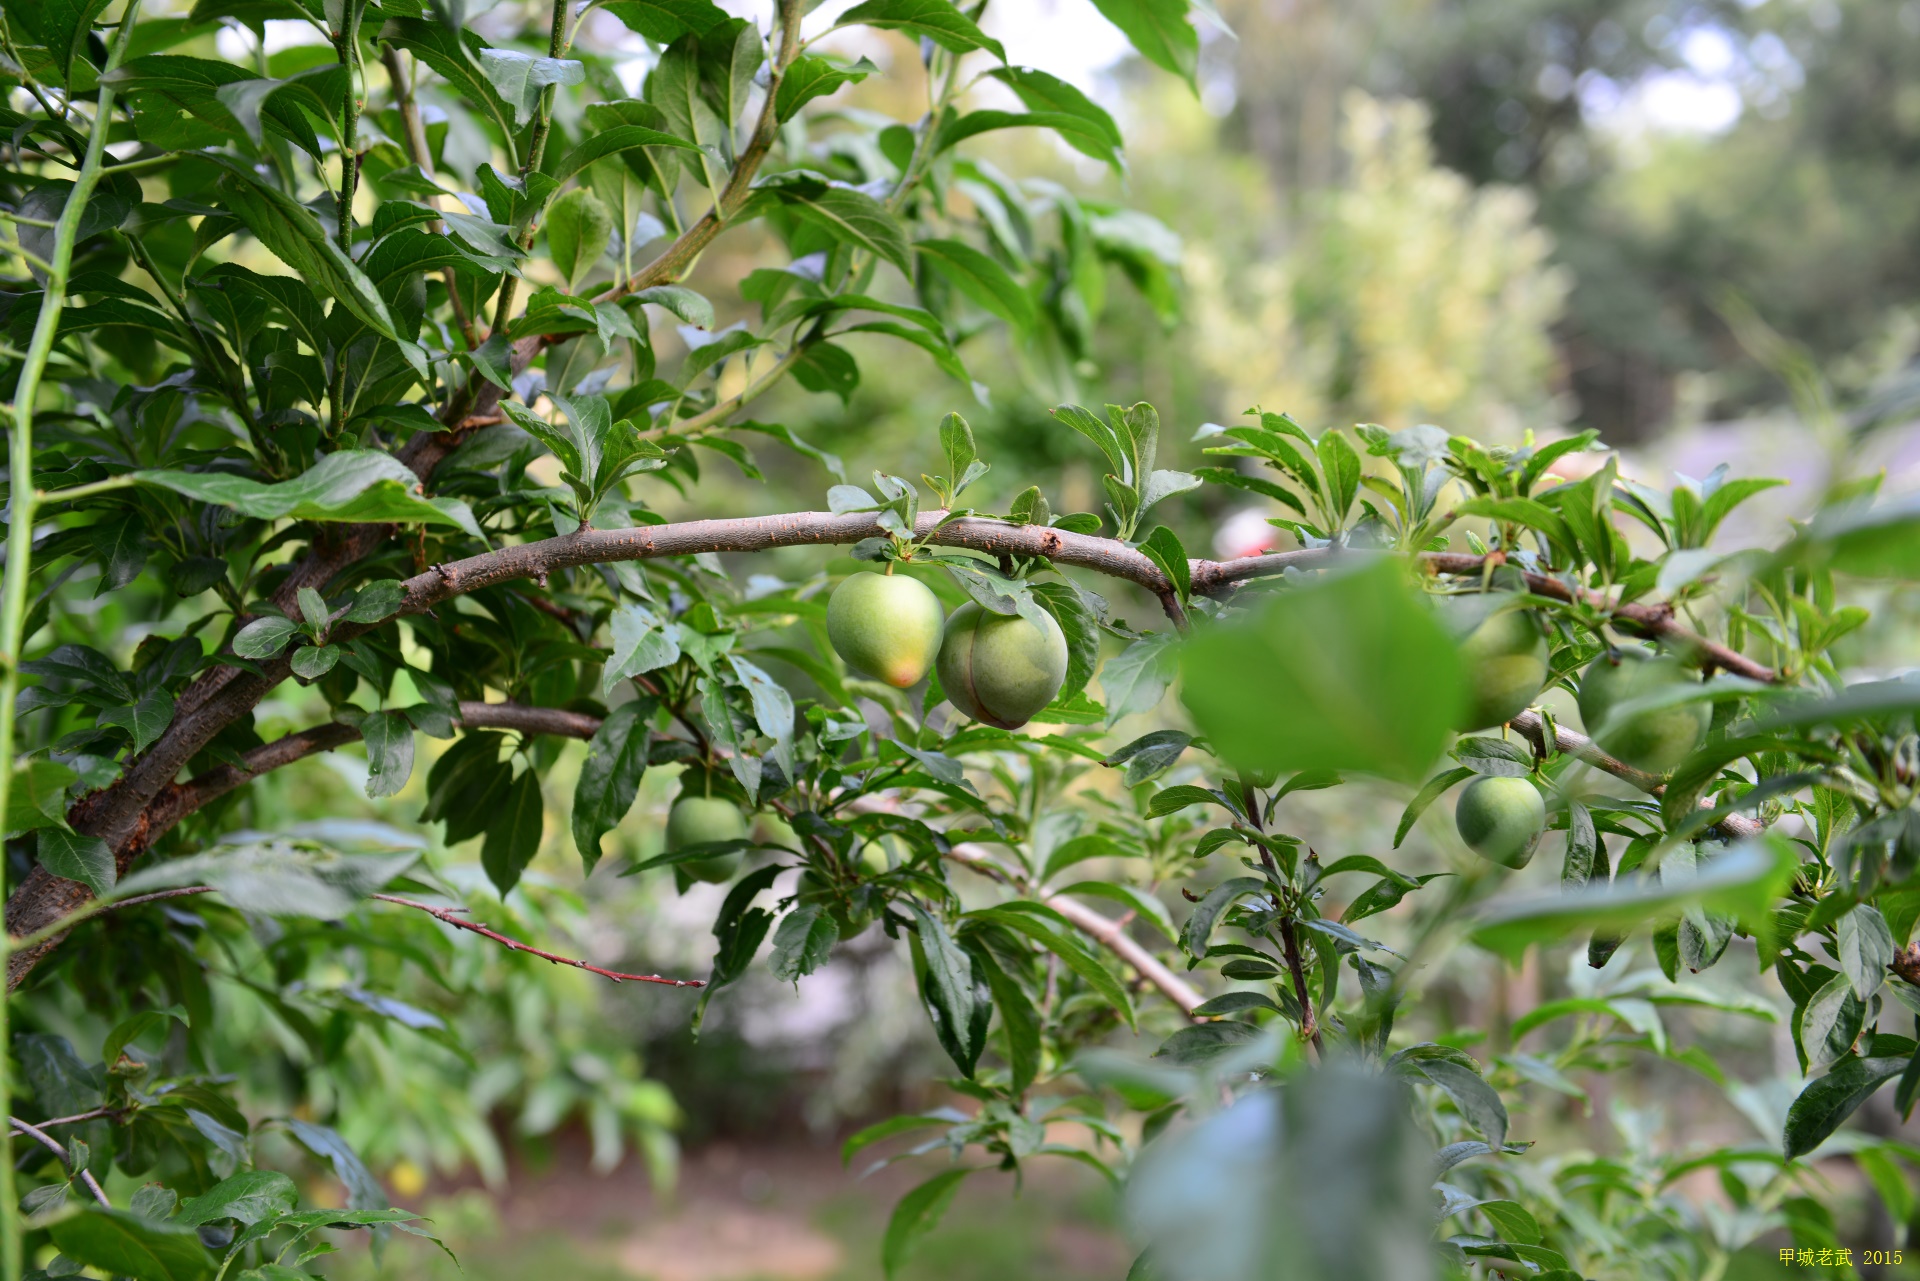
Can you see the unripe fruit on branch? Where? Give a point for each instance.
(1500, 819)
(1506, 661)
(886, 626)
(999, 668)
(1654, 740)
(699, 820)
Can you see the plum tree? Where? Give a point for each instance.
(704, 820)
(1655, 739)
(887, 626)
(1001, 669)
(1506, 660)
(1500, 818)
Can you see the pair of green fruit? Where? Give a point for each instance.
(1502, 818)
(1506, 661)
(1000, 669)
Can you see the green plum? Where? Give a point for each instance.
(886, 626)
(1505, 653)
(1501, 818)
(1000, 669)
(700, 820)
(1655, 740)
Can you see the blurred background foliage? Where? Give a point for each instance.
(1502, 216)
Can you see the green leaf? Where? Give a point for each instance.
(1235, 1003)
(1018, 1019)
(60, 25)
(311, 662)
(364, 1193)
(1340, 471)
(358, 486)
(513, 832)
(37, 797)
(610, 776)
(1829, 1023)
(1135, 679)
(264, 637)
(86, 859)
(579, 229)
(124, 1244)
(1150, 755)
(810, 77)
(377, 601)
(1865, 949)
(936, 20)
(851, 217)
(1826, 1103)
(642, 642)
(1199, 926)
(452, 54)
(1433, 790)
(249, 1197)
(1205, 1042)
(953, 993)
(1172, 800)
(1159, 30)
(147, 719)
(520, 78)
(1349, 672)
(290, 231)
(1098, 136)
(1512, 1221)
(918, 1213)
(1048, 928)
(665, 21)
(802, 942)
(612, 141)
(1162, 547)
(1478, 1102)
(1743, 883)
(1584, 849)
(389, 738)
(275, 877)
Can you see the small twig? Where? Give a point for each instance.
(98, 1114)
(53, 1145)
(449, 916)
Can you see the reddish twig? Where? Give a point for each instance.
(449, 916)
(53, 1145)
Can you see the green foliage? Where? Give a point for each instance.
(400, 470)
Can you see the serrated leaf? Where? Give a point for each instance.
(360, 486)
(802, 942)
(610, 776)
(936, 20)
(86, 859)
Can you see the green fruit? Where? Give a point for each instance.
(1655, 740)
(699, 820)
(1506, 662)
(999, 668)
(1501, 818)
(886, 626)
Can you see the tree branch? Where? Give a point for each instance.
(53, 1145)
(448, 915)
(1109, 933)
(128, 814)
(1533, 726)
